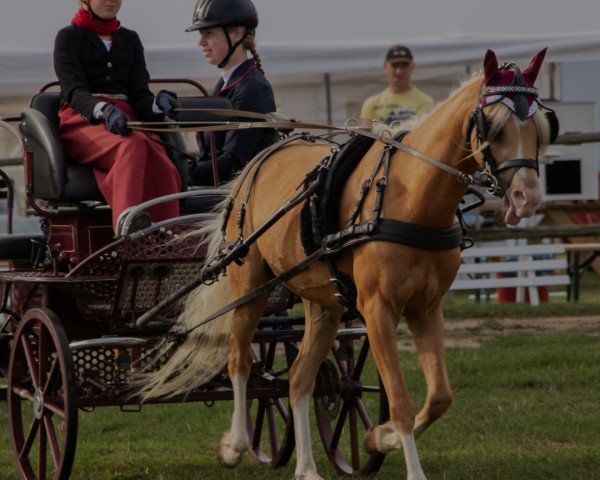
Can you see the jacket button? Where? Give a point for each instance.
(109, 65)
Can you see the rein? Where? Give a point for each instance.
(480, 178)
(332, 243)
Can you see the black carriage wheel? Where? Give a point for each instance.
(42, 405)
(344, 416)
(269, 421)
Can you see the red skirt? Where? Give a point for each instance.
(129, 169)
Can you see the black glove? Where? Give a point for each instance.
(115, 119)
(166, 101)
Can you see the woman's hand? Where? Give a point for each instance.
(167, 102)
(115, 119)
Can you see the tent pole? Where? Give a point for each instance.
(327, 79)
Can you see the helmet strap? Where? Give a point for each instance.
(92, 13)
(232, 46)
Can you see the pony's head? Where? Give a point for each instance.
(508, 130)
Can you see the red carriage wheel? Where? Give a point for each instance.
(344, 415)
(42, 403)
(270, 425)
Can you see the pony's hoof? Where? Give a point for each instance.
(228, 456)
(308, 476)
(371, 443)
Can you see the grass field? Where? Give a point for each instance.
(526, 407)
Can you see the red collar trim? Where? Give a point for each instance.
(85, 19)
(229, 87)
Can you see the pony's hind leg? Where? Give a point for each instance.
(320, 331)
(428, 334)
(245, 320)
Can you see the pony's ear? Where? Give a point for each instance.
(532, 70)
(490, 68)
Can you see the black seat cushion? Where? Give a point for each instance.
(19, 246)
(54, 177)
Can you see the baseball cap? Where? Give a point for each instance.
(399, 53)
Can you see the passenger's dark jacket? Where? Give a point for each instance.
(248, 89)
(84, 66)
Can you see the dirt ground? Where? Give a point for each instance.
(470, 333)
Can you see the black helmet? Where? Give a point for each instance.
(224, 13)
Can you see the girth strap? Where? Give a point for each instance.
(417, 236)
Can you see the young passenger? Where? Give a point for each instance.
(104, 83)
(227, 30)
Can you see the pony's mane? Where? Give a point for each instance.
(498, 119)
(415, 122)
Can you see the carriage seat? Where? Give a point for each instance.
(58, 180)
(20, 246)
(203, 203)
(54, 178)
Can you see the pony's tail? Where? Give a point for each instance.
(203, 353)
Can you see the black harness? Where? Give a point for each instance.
(319, 217)
(324, 243)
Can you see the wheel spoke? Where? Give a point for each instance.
(54, 369)
(33, 429)
(42, 453)
(285, 415)
(270, 356)
(58, 410)
(341, 362)
(22, 392)
(361, 411)
(43, 354)
(272, 429)
(354, 441)
(52, 441)
(360, 362)
(341, 420)
(31, 363)
(258, 424)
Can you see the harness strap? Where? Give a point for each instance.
(331, 244)
(234, 253)
(479, 178)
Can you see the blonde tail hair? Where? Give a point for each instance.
(203, 353)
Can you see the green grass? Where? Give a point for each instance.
(525, 408)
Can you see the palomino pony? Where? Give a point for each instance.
(392, 278)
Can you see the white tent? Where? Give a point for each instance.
(320, 36)
(325, 56)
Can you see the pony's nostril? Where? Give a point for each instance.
(518, 198)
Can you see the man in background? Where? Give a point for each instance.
(400, 101)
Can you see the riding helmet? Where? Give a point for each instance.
(224, 13)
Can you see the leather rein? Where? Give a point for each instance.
(332, 243)
(480, 178)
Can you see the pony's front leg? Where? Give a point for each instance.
(428, 335)
(235, 441)
(398, 432)
(320, 330)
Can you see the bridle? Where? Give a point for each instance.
(477, 122)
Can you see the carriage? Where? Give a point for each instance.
(71, 296)
(87, 312)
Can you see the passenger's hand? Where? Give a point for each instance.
(116, 120)
(167, 101)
